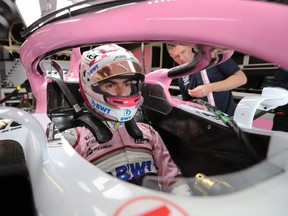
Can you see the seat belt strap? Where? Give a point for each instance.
(66, 91)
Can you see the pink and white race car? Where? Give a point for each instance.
(232, 166)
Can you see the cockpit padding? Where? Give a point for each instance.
(59, 109)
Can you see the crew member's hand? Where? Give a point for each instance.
(199, 91)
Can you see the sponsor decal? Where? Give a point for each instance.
(93, 69)
(101, 147)
(52, 132)
(126, 172)
(125, 118)
(127, 115)
(91, 55)
(150, 206)
(119, 57)
(127, 112)
(8, 125)
(15, 128)
(141, 141)
(100, 107)
(186, 80)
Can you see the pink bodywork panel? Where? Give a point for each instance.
(237, 25)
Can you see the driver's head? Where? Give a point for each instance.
(110, 78)
(179, 53)
(117, 86)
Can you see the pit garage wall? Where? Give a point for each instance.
(147, 57)
(13, 74)
(156, 57)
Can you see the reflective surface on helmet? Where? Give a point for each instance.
(113, 69)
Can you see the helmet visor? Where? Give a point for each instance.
(113, 69)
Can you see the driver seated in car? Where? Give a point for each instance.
(110, 78)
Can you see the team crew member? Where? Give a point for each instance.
(213, 84)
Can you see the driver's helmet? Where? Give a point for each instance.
(102, 63)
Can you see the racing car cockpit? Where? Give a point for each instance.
(224, 159)
(198, 139)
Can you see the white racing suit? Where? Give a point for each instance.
(125, 157)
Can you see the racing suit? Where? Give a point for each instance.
(125, 157)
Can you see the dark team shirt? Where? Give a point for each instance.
(223, 100)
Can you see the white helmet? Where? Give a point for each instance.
(105, 62)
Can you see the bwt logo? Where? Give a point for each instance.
(100, 107)
(125, 118)
(93, 69)
(125, 172)
(127, 115)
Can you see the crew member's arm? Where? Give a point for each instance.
(233, 81)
